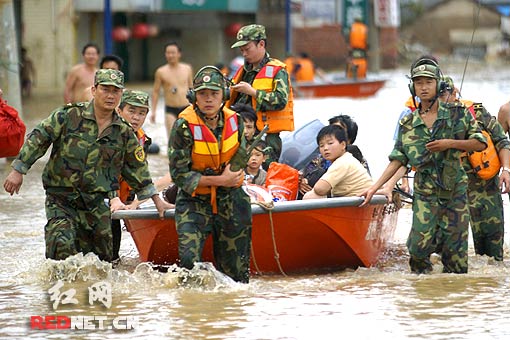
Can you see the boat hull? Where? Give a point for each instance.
(295, 237)
(354, 88)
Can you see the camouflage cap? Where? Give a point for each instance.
(449, 82)
(109, 77)
(425, 70)
(209, 77)
(135, 98)
(250, 33)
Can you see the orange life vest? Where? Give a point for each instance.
(357, 68)
(485, 163)
(410, 103)
(282, 120)
(124, 188)
(358, 35)
(470, 105)
(290, 63)
(206, 153)
(306, 71)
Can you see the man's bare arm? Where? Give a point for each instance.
(503, 116)
(69, 86)
(190, 78)
(155, 96)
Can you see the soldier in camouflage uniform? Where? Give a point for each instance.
(205, 137)
(431, 139)
(91, 147)
(484, 196)
(133, 108)
(263, 83)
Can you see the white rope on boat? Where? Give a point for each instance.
(269, 207)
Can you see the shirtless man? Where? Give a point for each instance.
(109, 61)
(81, 76)
(176, 79)
(504, 117)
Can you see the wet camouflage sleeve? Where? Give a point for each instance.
(80, 159)
(276, 99)
(39, 140)
(491, 124)
(484, 197)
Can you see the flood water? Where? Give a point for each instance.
(382, 302)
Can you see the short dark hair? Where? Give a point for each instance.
(90, 45)
(246, 111)
(111, 57)
(172, 43)
(350, 125)
(332, 130)
(260, 146)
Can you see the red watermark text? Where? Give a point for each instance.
(47, 322)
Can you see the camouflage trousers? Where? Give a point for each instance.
(441, 226)
(74, 227)
(275, 142)
(487, 217)
(230, 230)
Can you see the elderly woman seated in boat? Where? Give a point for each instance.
(346, 176)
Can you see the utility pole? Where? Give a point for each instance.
(107, 24)
(288, 28)
(9, 59)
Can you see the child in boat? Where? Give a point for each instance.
(249, 119)
(255, 173)
(346, 176)
(318, 166)
(351, 128)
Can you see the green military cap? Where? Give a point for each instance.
(209, 77)
(109, 77)
(250, 33)
(425, 70)
(135, 98)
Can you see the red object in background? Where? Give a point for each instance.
(13, 130)
(141, 30)
(121, 34)
(232, 29)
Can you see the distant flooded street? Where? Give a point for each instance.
(382, 302)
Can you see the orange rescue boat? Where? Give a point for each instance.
(340, 88)
(318, 235)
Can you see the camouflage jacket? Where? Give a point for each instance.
(266, 101)
(179, 153)
(81, 160)
(435, 170)
(491, 125)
